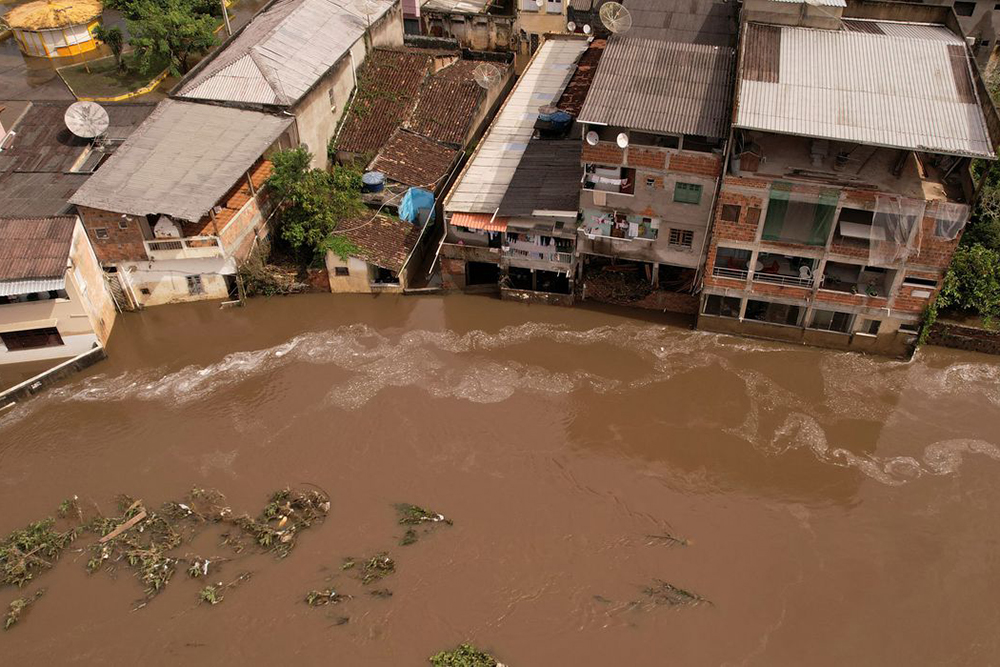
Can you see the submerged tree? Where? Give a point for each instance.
(314, 202)
(115, 40)
(171, 31)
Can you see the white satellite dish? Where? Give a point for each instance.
(487, 75)
(587, 29)
(570, 27)
(539, 3)
(592, 138)
(86, 119)
(615, 17)
(622, 140)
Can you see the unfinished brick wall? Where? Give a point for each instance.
(603, 153)
(745, 227)
(934, 251)
(649, 158)
(124, 240)
(709, 166)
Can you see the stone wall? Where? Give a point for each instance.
(974, 339)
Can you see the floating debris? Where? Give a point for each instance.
(341, 620)
(284, 516)
(465, 655)
(348, 564)
(381, 593)
(26, 552)
(668, 540)
(19, 606)
(414, 515)
(212, 594)
(663, 593)
(325, 597)
(377, 567)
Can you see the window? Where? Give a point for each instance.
(123, 224)
(731, 212)
(31, 338)
(965, 8)
(687, 193)
(529, 6)
(681, 238)
(650, 182)
(912, 328)
(341, 271)
(870, 327)
(722, 306)
(775, 313)
(831, 320)
(195, 285)
(101, 233)
(799, 218)
(913, 281)
(553, 6)
(983, 43)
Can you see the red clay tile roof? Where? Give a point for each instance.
(388, 85)
(448, 103)
(384, 242)
(414, 160)
(586, 68)
(35, 247)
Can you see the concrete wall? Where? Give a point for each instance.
(975, 339)
(165, 281)
(357, 282)
(479, 32)
(88, 279)
(84, 359)
(319, 113)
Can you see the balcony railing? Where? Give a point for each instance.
(724, 272)
(189, 247)
(778, 279)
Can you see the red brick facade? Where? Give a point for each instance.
(603, 153)
(709, 166)
(122, 235)
(649, 158)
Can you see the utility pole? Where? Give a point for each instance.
(225, 16)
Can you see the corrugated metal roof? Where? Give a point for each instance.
(38, 193)
(664, 87)
(483, 182)
(711, 22)
(482, 221)
(12, 287)
(547, 179)
(281, 53)
(822, 3)
(181, 161)
(887, 84)
(33, 248)
(456, 6)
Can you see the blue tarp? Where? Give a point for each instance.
(417, 206)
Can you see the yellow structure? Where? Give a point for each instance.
(55, 28)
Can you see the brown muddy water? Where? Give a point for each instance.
(839, 509)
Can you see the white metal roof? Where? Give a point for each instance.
(181, 160)
(31, 285)
(282, 52)
(458, 6)
(889, 84)
(485, 179)
(821, 3)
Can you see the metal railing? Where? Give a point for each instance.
(189, 247)
(778, 279)
(723, 272)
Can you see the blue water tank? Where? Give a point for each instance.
(372, 181)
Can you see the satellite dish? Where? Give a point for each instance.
(539, 3)
(592, 138)
(587, 29)
(615, 17)
(487, 75)
(622, 140)
(86, 119)
(570, 27)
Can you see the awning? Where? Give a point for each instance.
(31, 285)
(482, 221)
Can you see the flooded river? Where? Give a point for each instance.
(833, 509)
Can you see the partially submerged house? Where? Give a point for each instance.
(472, 250)
(849, 184)
(183, 200)
(383, 259)
(655, 125)
(413, 115)
(54, 302)
(298, 57)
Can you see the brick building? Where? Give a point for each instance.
(848, 183)
(182, 200)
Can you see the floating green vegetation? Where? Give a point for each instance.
(19, 606)
(465, 655)
(377, 567)
(140, 538)
(325, 597)
(414, 515)
(285, 515)
(26, 552)
(661, 593)
(211, 594)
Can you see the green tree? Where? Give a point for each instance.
(169, 30)
(314, 202)
(115, 40)
(973, 283)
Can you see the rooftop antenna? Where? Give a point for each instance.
(487, 75)
(86, 120)
(615, 17)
